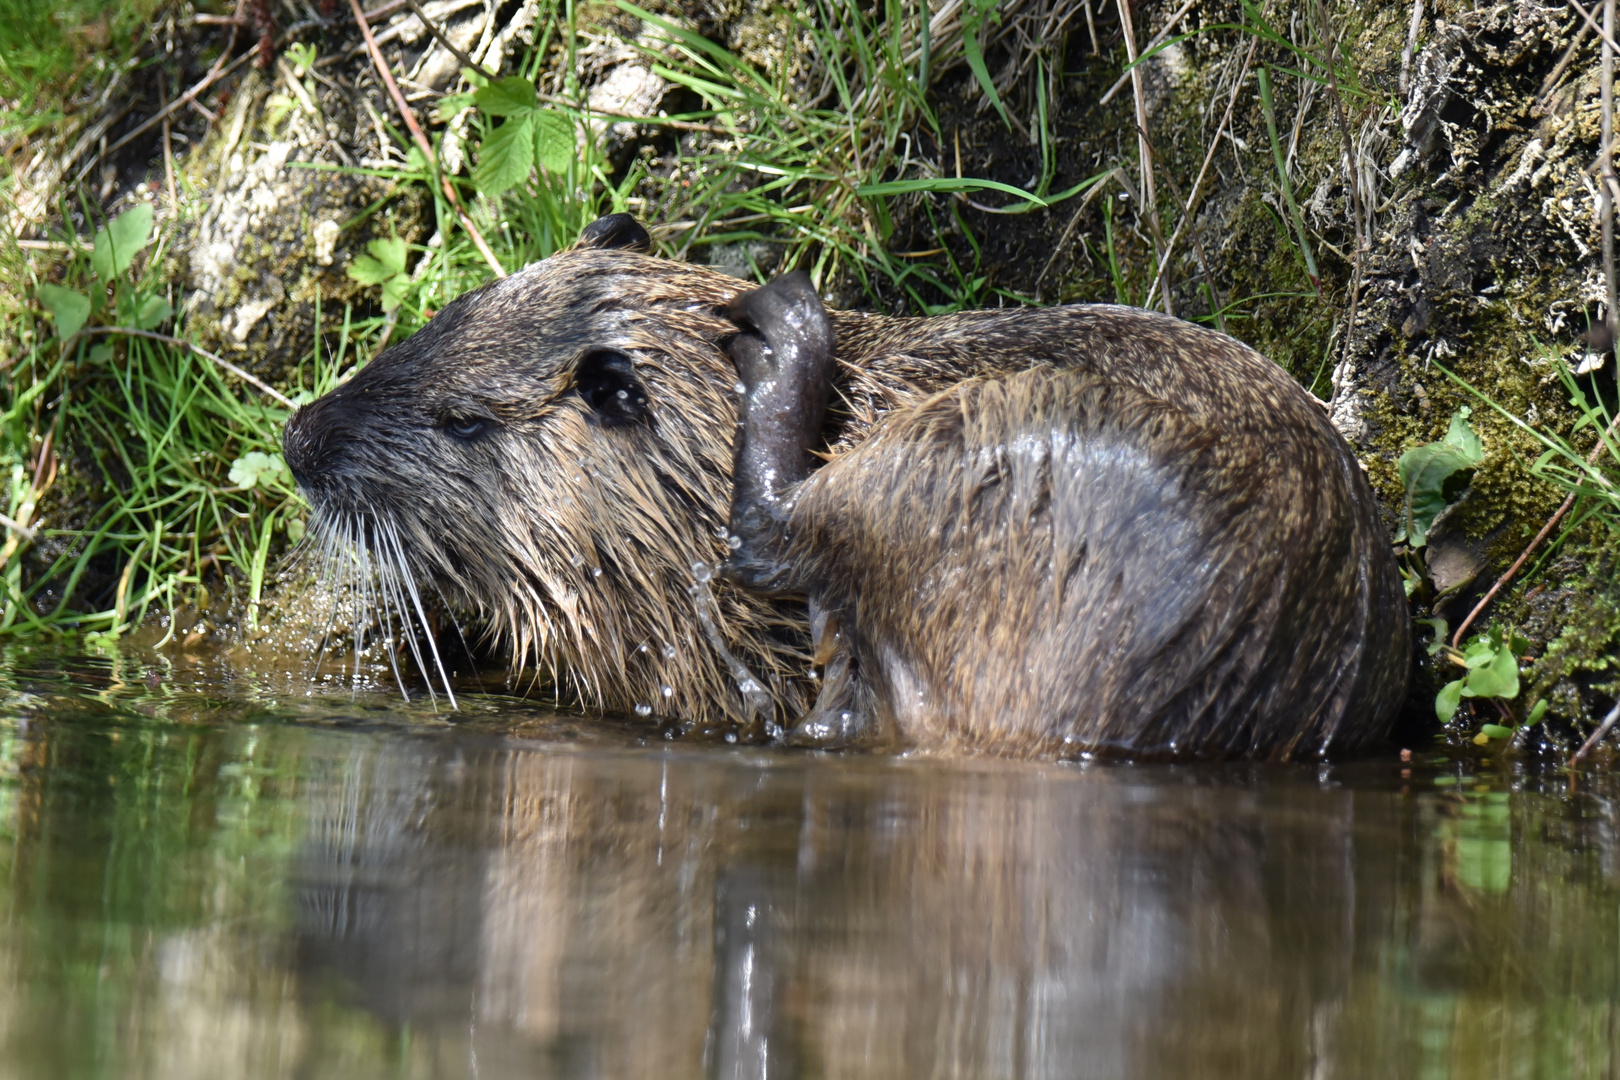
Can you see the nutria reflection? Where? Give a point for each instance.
(694, 915)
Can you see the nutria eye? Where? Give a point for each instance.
(607, 381)
(467, 428)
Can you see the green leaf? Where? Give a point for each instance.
(944, 184)
(975, 58)
(1447, 701)
(255, 469)
(1462, 437)
(1427, 470)
(70, 309)
(511, 96)
(451, 104)
(505, 158)
(390, 252)
(1495, 731)
(1537, 711)
(394, 290)
(368, 271)
(1499, 678)
(152, 312)
(119, 240)
(554, 144)
(301, 57)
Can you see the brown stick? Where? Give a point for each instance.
(215, 73)
(1411, 46)
(1158, 39)
(1562, 66)
(182, 343)
(421, 140)
(1546, 530)
(1607, 36)
(1191, 206)
(443, 39)
(1596, 736)
(1143, 150)
(1606, 152)
(1606, 202)
(168, 149)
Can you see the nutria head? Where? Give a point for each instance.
(551, 455)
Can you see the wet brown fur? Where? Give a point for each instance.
(1009, 499)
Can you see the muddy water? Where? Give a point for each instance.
(210, 874)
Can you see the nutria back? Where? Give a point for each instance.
(1079, 529)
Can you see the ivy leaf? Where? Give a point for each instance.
(505, 157)
(555, 146)
(119, 240)
(1430, 475)
(511, 96)
(70, 309)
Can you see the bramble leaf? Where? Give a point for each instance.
(554, 142)
(511, 96)
(505, 157)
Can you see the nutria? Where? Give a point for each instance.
(1046, 531)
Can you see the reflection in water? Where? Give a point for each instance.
(197, 885)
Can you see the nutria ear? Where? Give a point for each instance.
(620, 232)
(608, 383)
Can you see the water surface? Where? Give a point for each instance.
(211, 874)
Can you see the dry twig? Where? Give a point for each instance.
(1606, 152)
(1158, 39)
(1596, 736)
(444, 39)
(1150, 201)
(421, 140)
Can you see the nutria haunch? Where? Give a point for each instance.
(1037, 531)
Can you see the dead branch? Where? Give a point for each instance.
(421, 140)
(1150, 201)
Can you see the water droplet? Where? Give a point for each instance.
(623, 395)
(643, 647)
(702, 572)
(739, 388)
(731, 736)
(733, 542)
(766, 351)
(596, 571)
(669, 652)
(669, 691)
(643, 710)
(846, 717)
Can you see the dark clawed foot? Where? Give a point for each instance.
(784, 356)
